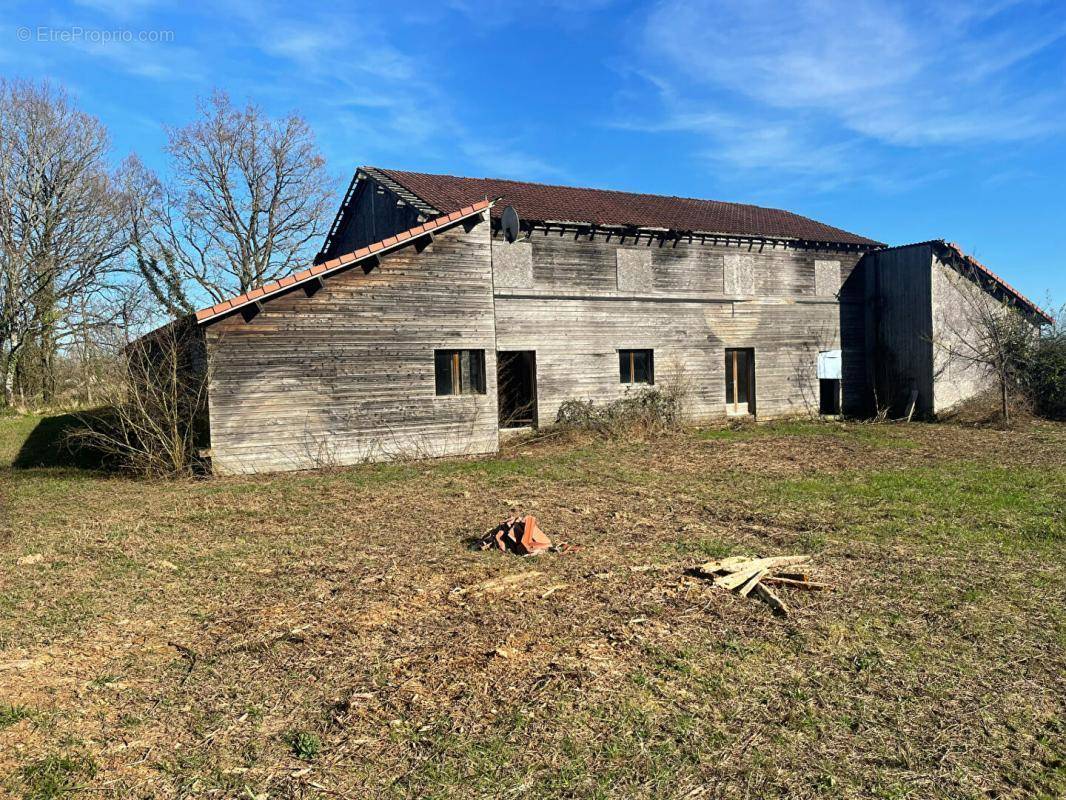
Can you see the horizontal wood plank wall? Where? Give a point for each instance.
(576, 319)
(347, 375)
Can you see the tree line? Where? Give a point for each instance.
(92, 253)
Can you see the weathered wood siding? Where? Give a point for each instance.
(347, 375)
(893, 290)
(686, 301)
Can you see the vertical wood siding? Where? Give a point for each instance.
(892, 288)
(375, 214)
(348, 374)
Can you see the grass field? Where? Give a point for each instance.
(332, 635)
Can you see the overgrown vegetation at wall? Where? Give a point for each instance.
(643, 410)
(1045, 374)
(154, 417)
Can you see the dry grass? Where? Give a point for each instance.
(329, 634)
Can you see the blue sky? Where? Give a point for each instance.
(900, 121)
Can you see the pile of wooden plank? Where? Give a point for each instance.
(754, 576)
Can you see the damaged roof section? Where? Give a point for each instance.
(364, 256)
(547, 203)
(952, 253)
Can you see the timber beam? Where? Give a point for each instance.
(369, 263)
(251, 310)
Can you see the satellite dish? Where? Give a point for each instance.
(511, 223)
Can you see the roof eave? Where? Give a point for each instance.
(342, 263)
(866, 244)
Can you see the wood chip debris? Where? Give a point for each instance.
(754, 576)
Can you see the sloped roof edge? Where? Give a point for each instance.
(326, 268)
(951, 247)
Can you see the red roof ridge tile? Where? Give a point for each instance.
(268, 289)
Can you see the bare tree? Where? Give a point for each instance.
(250, 195)
(60, 224)
(983, 338)
(147, 210)
(152, 391)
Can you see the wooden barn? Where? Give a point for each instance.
(444, 310)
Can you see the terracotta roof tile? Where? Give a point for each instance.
(273, 287)
(542, 202)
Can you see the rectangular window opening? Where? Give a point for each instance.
(636, 366)
(459, 371)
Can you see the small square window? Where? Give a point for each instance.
(459, 371)
(636, 366)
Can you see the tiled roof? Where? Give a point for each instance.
(341, 262)
(544, 203)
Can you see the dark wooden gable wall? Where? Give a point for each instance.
(373, 213)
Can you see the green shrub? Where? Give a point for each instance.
(1046, 376)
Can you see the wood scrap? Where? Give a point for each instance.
(754, 576)
(737, 579)
(731, 565)
(781, 580)
(752, 582)
(765, 594)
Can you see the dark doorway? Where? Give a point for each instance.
(516, 388)
(829, 400)
(740, 380)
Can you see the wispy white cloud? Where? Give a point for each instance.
(493, 14)
(371, 91)
(817, 85)
(154, 60)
